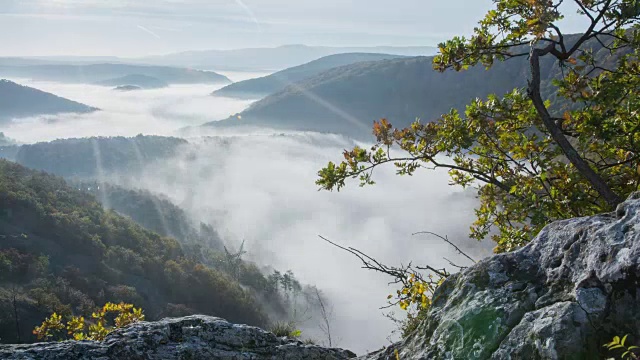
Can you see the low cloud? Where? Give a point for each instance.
(159, 111)
(261, 189)
(259, 186)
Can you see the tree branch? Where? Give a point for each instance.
(446, 239)
(556, 133)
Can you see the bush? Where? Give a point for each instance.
(285, 329)
(96, 329)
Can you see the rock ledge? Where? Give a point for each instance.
(193, 337)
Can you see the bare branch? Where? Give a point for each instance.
(446, 239)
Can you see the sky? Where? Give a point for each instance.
(149, 27)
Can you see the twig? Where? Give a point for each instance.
(445, 239)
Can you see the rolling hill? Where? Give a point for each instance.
(260, 87)
(89, 74)
(60, 251)
(88, 158)
(137, 80)
(349, 98)
(277, 58)
(17, 101)
(155, 212)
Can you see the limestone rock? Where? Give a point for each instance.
(562, 296)
(193, 338)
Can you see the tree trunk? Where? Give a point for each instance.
(570, 152)
(15, 316)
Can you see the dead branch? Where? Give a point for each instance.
(446, 239)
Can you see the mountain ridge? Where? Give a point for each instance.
(275, 82)
(19, 101)
(91, 73)
(272, 58)
(348, 99)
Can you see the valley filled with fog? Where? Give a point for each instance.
(157, 111)
(277, 179)
(258, 186)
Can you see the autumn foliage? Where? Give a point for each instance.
(96, 328)
(559, 148)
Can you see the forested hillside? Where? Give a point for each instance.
(17, 101)
(349, 98)
(255, 88)
(95, 156)
(61, 252)
(156, 213)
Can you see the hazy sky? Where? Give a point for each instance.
(144, 27)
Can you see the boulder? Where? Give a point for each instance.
(562, 296)
(193, 338)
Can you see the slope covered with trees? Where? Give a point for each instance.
(156, 213)
(60, 251)
(92, 157)
(348, 99)
(17, 101)
(260, 87)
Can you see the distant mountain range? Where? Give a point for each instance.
(135, 80)
(347, 99)
(260, 87)
(18, 101)
(277, 58)
(249, 59)
(89, 74)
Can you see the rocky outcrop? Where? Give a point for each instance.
(189, 338)
(561, 297)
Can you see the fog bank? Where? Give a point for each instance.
(261, 189)
(259, 186)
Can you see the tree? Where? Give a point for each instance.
(233, 261)
(15, 291)
(532, 160)
(326, 315)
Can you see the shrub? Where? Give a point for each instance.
(96, 329)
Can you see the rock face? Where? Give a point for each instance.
(561, 297)
(193, 338)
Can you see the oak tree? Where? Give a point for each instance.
(565, 146)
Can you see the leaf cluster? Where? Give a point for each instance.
(96, 329)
